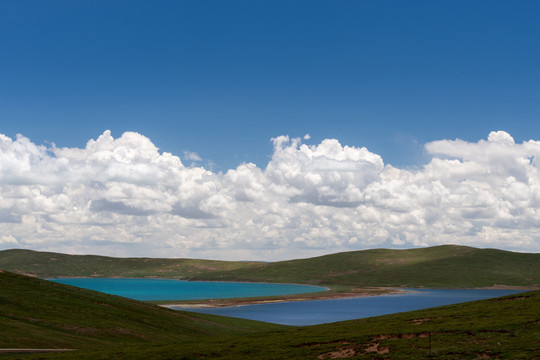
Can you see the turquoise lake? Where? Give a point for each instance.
(299, 313)
(165, 289)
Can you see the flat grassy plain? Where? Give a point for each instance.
(42, 314)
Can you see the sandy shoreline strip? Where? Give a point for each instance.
(330, 295)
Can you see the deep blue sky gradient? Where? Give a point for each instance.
(221, 78)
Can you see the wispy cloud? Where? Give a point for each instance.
(124, 197)
(192, 156)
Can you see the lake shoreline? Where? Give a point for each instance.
(307, 313)
(330, 292)
(326, 295)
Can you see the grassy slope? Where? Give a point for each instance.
(507, 328)
(441, 266)
(46, 264)
(35, 313)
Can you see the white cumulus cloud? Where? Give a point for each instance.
(124, 197)
(8, 240)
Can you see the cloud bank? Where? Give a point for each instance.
(123, 197)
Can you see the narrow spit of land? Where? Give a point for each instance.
(331, 295)
(324, 295)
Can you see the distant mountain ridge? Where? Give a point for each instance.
(444, 266)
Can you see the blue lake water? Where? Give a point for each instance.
(288, 313)
(314, 312)
(165, 289)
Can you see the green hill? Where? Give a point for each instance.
(447, 266)
(47, 264)
(36, 313)
(441, 266)
(501, 328)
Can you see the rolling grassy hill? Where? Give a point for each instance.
(47, 264)
(447, 266)
(441, 266)
(501, 328)
(36, 313)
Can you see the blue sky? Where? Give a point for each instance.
(221, 78)
(383, 88)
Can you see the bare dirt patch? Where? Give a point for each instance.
(401, 336)
(377, 348)
(317, 344)
(339, 354)
(423, 320)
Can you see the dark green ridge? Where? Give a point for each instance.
(502, 328)
(447, 266)
(36, 313)
(48, 264)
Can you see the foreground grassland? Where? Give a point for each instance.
(107, 327)
(35, 313)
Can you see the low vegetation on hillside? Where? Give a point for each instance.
(447, 266)
(47, 264)
(441, 266)
(36, 313)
